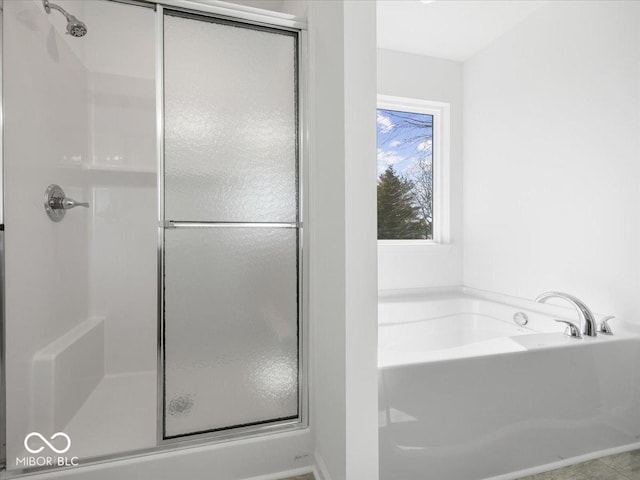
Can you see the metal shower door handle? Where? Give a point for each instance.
(56, 203)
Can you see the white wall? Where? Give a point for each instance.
(327, 230)
(552, 157)
(343, 248)
(425, 78)
(361, 230)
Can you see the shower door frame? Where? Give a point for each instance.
(3, 365)
(232, 432)
(248, 17)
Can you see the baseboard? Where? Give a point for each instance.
(284, 475)
(320, 469)
(566, 462)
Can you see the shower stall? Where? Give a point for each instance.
(153, 245)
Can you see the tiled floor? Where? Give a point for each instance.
(623, 466)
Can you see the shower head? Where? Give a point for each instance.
(75, 27)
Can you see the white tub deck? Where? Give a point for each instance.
(467, 394)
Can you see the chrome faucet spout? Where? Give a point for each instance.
(586, 316)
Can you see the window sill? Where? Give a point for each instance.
(411, 243)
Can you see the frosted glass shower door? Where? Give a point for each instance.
(231, 234)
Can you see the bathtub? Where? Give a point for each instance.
(466, 393)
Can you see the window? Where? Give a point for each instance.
(409, 134)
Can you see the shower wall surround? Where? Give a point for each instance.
(47, 136)
(82, 294)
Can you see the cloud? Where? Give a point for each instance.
(395, 144)
(387, 159)
(423, 146)
(385, 123)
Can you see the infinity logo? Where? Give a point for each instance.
(47, 442)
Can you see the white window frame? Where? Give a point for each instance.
(441, 148)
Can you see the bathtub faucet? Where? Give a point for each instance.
(586, 317)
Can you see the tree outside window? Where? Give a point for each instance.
(405, 175)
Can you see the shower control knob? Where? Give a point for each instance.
(56, 203)
(68, 203)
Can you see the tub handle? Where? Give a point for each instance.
(572, 330)
(604, 325)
